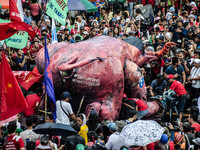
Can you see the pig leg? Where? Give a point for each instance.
(134, 81)
(109, 104)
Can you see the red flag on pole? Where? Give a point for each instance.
(12, 100)
(14, 12)
(9, 29)
(26, 78)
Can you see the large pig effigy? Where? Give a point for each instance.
(101, 69)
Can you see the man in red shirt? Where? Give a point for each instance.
(13, 141)
(141, 107)
(193, 121)
(180, 91)
(33, 101)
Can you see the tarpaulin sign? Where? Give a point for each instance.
(57, 9)
(18, 40)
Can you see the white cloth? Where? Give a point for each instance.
(115, 142)
(61, 116)
(195, 72)
(29, 134)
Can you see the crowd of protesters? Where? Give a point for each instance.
(175, 21)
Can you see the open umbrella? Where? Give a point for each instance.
(89, 6)
(135, 42)
(74, 5)
(81, 5)
(54, 129)
(141, 133)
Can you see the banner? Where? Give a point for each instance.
(18, 40)
(57, 9)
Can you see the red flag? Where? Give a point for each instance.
(14, 12)
(26, 78)
(12, 100)
(9, 29)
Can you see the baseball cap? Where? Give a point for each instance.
(161, 38)
(91, 17)
(171, 9)
(193, 3)
(197, 61)
(80, 147)
(164, 139)
(82, 28)
(65, 95)
(44, 140)
(191, 16)
(111, 126)
(113, 19)
(103, 21)
(62, 27)
(170, 76)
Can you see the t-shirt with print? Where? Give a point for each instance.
(13, 142)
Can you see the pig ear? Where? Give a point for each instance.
(143, 60)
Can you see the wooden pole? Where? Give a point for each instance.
(79, 109)
(45, 107)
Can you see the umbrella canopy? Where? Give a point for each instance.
(89, 6)
(74, 5)
(4, 4)
(135, 42)
(81, 5)
(55, 129)
(141, 133)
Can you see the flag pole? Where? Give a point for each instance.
(45, 111)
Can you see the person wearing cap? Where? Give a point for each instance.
(169, 15)
(193, 22)
(28, 18)
(64, 110)
(115, 142)
(194, 78)
(99, 145)
(90, 19)
(44, 143)
(158, 86)
(180, 91)
(165, 142)
(179, 32)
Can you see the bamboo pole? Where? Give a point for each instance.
(45, 107)
(79, 109)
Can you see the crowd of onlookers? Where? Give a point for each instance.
(175, 21)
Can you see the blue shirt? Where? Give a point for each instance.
(28, 20)
(20, 60)
(171, 70)
(158, 87)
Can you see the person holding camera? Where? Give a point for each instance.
(179, 32)
(177, 70)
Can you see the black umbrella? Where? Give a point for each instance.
(54, 129)
(135, 42)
